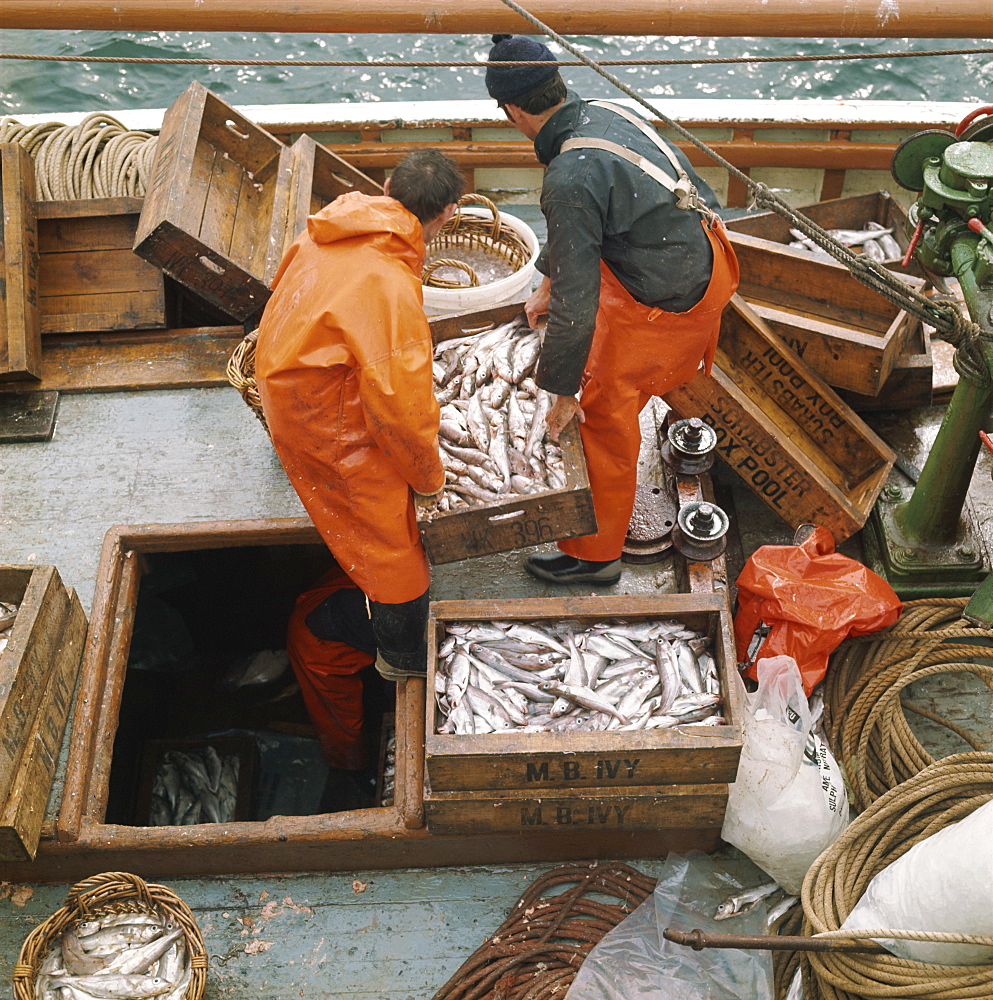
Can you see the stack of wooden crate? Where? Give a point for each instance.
(38, 671)
(549, 783)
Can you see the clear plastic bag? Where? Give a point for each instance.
(635, 962)
(943, 883)
(788, 801)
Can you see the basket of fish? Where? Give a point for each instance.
(611, 711)
(508, 485)
(116, 937)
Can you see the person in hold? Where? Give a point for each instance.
(343, 365)
(637, 270)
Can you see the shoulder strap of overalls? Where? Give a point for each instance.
(682, 187)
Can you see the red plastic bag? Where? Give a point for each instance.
(811, 597)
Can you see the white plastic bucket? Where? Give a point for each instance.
(439, 301)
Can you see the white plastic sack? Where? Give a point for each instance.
(635, 962)
(788, 802)
(943, 883)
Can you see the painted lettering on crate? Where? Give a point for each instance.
(572, 770)
(591, 814)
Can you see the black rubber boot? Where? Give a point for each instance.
(557, 567)
(401, 637)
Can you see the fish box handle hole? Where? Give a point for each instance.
(506, 517)
(233, 129)
(211, 265)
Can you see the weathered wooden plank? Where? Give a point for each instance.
(128, 309)
(20, 324)
(514, 810)
(174, 359)
(23, 814)
(576, 760)
(910, 382)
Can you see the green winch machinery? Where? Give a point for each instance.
(927, 544)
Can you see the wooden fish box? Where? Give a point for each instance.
(20, 325)
(529, 519)
(837, 213)
(38, 671)
(846, 332)
(697, 807)
(590, 769)
(911, 383)
(318, 177)
(214, 215)
(783, 430)
(89, 278)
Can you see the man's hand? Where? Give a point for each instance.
(563, 410)
(537, 305)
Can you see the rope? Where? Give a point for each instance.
(941, 794)
(474, 64)
(864, 714)
(98, 158)
(535, 953)
(963, 334)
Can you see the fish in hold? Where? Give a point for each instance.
(492, 436)
(560, 676)
(199, 786)
(116, 955)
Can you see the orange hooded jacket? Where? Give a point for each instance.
(344, 370)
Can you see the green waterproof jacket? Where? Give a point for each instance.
(599, 206)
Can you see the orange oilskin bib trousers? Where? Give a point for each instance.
(344, 371)
(638, 352)
(328, 675)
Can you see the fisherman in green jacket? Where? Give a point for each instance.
(637, 270)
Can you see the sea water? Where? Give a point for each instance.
(39, 87)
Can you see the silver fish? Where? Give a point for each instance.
(742, 902)
(115, 987)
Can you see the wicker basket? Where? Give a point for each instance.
(476, 233)
(111, 892)
(240, 372)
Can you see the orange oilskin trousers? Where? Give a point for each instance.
(328, 675)
(638, 352)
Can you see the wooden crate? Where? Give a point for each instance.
(521, 521)
(318, 177)
(911, 383)
(20, 325)
(89, 278)
(38, 671)
(846, 332)
(837, 213)
(214, 215)
(580, 764)
(697, 807)
(780, 427)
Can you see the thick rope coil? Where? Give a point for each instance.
(98, 158)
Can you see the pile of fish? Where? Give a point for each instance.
(198, 786)
(492, 435)
(555, 677)
(389, 771)
(8, 612)
(874, 238)
(117, 956)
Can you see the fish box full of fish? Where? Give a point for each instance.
(582, 695)
(508, 486)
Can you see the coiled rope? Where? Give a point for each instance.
(98, 158)
(864, 706)
(962, 333)
(943, 793)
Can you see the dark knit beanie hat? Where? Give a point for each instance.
(504, 83)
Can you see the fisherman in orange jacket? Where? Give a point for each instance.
(343, 365)
(638, 269)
